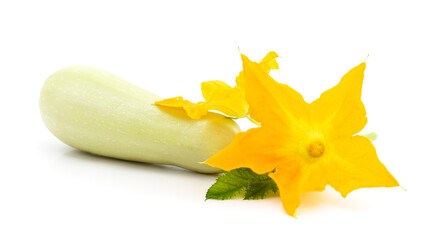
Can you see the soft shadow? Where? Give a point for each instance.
(81, 156)
(310, 202)
(328, 198)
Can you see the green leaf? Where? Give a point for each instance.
(242, 182)
(261, 190)
(227, 186)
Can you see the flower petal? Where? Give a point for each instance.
(211, 89)
(173, 102)
(339, 112)
(269, 62)
(196, 110)
(193, 110)
(259, 149)
(221, 97)
(273, 104)
(352, 164)
(287, 176)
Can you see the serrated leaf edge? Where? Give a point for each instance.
(248, 178)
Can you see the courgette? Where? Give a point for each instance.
(95, 111)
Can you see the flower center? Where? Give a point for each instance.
(316, 149)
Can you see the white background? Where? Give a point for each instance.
(51, 191)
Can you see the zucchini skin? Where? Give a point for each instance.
(95, 111)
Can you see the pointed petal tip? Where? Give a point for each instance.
(212, 163)
(244, 57)
(362, 65)
(207, 162)
(273, 53)
(292, 214)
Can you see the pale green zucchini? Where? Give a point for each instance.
(97, 112)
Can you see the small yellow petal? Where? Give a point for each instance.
(221, 97)
(193, 110)
(210, 89)
(173, 102)
(269, 62)
(196, 110)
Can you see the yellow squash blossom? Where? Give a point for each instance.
(303, 146)
(220, 96)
